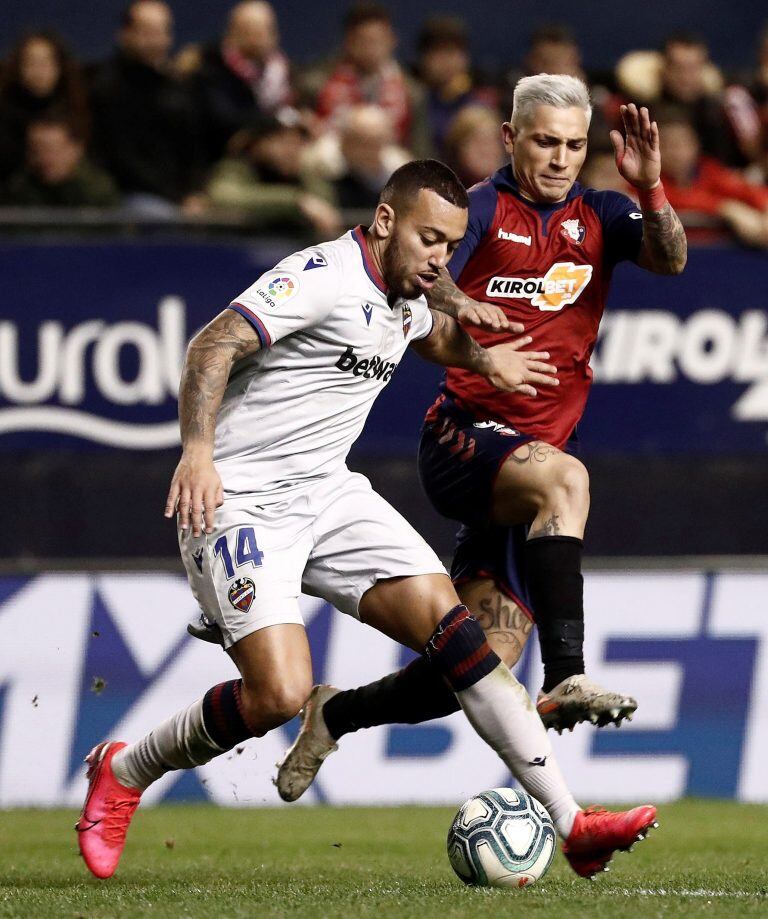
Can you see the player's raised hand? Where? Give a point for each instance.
(637, 150)
(196, 492)
(513, 370)
(486, 316)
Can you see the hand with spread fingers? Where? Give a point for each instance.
(637, 150)
(486, 316)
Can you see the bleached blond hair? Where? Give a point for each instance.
(556, 89)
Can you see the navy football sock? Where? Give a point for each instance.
(459, 650)
(556, 589)
(223, 715)
(414, 694)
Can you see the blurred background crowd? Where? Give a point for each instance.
(231, 126)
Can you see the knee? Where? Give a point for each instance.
(271, 706)
(570, 484)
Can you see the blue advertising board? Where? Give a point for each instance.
(111, 658)
(92, 339)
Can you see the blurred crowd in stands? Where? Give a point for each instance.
(234, 127)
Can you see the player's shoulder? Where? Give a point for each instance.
(324, 257)
(607, 204)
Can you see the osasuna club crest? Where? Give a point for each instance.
(407, 318)
(241, 594)
(574, 230)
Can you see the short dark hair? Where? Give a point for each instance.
(403, 186)
(688, 39)
(442, 32)
(554, 33)
(360, 14)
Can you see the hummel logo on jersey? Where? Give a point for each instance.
(368, 367)
(368, 312)
(198, 557)
(539, 761)
(316, 261)
(561, 285)
(514, 238)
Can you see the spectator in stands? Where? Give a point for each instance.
(474, 148)
(367, 72)
(699, 183)
(365, 136)
(724, 119)
(39, 77)
(444, 68)
(263, 179)
(145, 126)
(57, 173)
(599, 171)
(243, 75)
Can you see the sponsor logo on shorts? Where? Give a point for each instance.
(198, 558)
(561, 285)
(574, 230)
(368, 367)
(407, 319)
(241, 594)
(497, 427)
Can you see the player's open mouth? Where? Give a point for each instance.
(426, 280)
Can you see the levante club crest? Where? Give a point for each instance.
(241, 594)
(407, 318)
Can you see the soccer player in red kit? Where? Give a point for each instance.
(541, 248)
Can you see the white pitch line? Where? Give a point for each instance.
(685, 892)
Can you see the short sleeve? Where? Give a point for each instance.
(290, 297)
(622, 224)
(423, 322)
(482, 208)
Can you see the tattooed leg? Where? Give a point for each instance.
(549, 489)
(506, 626)
(418, 692)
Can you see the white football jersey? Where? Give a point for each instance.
(330, 343)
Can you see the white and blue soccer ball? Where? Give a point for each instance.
(501, 838)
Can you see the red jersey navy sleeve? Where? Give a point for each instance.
(622, 224)
(482, 208)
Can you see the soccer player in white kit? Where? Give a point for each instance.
(274, 392)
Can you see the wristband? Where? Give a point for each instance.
(652, 199)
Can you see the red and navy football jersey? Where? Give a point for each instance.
(549, 267)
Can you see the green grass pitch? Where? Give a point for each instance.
(707, 858)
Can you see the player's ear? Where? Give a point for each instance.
(384, 220)
(508, 137)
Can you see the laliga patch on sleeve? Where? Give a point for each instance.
(278, 288)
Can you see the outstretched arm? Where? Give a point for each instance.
(664, 249)
(506, 366)
(446, 297)
(196, 486)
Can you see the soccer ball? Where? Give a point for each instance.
(501, 838)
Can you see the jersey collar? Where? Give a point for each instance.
(505, 179)
(358, 234)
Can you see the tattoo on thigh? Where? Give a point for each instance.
(534, 452)
(503, 619)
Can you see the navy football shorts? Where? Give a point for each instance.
(459, 460)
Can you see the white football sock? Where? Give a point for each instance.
(503, 714)
(181, 742)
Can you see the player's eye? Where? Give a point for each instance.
(427, 241)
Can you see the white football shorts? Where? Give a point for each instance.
(334, 540)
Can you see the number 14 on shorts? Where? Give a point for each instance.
(246, 551)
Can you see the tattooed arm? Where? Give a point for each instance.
(446, 297)
(506, 366)
(664, 249)
(196, 486)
